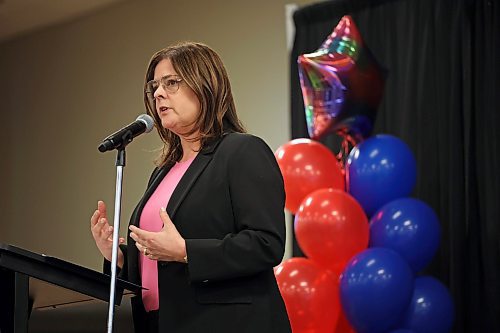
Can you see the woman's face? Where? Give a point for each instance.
(177, 110)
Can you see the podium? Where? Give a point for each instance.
(28, 280)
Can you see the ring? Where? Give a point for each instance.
(145, 251)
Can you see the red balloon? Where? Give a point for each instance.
(307, 166)
(343, 325)
(311, 295)
(331, 227)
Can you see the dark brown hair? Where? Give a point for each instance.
(202, 70)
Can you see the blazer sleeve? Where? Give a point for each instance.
(257, 199)
(120, 272)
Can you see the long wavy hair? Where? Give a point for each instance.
(202, 70)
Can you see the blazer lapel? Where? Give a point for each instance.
(186, 182)
(192, 173)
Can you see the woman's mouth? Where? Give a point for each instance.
(163, 109)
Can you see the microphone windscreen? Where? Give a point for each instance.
(148, 121)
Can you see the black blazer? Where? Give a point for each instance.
(229, 208)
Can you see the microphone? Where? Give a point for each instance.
(122, 137)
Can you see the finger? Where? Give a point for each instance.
(135, 237)
(140, 247)
(101, 207)
(140, 233)
(97, 228)
(103, 230)
(121, 240)
(165, 217)
(107, 232)
(139, 240)
(94, 219)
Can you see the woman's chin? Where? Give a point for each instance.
(169, 125)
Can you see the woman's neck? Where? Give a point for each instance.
(189, 149)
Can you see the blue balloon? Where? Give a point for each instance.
(431, 309)
(409, 227)
(375, 289)
(380, 170)
(401, 331)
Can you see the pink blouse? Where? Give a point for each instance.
(150, 220)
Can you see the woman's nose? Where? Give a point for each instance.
(159, 92)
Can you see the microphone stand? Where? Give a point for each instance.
(120, 163)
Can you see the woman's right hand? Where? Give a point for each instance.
(103, 234)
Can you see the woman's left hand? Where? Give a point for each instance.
(165, 245)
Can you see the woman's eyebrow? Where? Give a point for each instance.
(166, 76)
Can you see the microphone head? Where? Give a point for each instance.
(148, 121)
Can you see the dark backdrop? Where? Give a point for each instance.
(442, 98)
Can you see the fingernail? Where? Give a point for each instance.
(163, 209)
(102, 220)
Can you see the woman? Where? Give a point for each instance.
(207, 259)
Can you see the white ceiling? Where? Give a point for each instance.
(18, 17)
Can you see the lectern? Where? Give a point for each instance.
(26, 279)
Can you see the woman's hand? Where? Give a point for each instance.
(103, 234)
(165, 245)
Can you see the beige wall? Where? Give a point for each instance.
(66, 87)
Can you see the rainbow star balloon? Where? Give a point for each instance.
(342, 85)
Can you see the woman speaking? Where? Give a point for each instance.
(204, 238)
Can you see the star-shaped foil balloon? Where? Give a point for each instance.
(342, 85)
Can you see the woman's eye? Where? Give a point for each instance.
(171, 82)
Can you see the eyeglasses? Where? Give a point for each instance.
(169, 83)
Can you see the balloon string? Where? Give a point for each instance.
(343, 153)
(347, 143)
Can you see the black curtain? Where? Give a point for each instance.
(442, 98)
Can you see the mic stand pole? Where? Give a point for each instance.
(120, 163)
